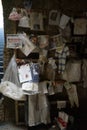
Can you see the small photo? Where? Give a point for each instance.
(53, 15)
(36, 21)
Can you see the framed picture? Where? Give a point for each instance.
(54, 17)
(36, 21)
(80, 26)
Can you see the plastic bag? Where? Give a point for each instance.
(14, 15)
(24, 20)
(11, 73)
(10, 90)
(63, 120)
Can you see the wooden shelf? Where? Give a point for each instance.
(37, 32)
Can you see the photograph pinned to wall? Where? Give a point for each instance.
(43, 41)
(13, 41)
(27, 4)
(59, 43)
(80, 26)
(58, 39)
(64, 21)
(24, 73)
(36, 19)
(28, 46)
(55, 42)
(54, 17)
